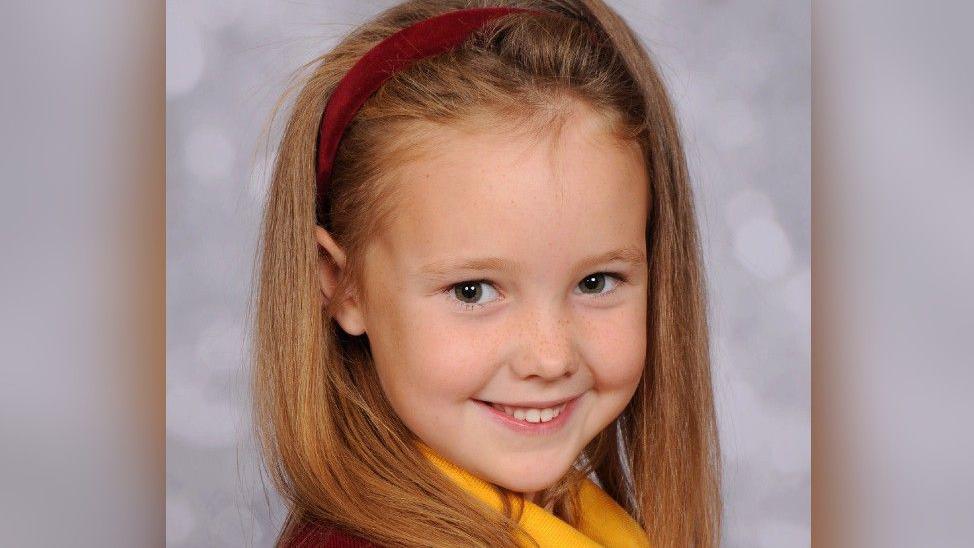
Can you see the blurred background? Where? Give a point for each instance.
(740, 75)
(92, 123)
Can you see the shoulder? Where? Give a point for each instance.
(312, 536)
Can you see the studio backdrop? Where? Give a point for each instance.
(739, 74)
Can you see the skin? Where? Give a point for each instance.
(541, 334)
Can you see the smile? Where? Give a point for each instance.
(530, 414)
(545, 418)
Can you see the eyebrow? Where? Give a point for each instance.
(630, 255)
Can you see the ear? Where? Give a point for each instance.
(348, 314)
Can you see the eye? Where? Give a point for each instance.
(595, 284)
(470, 293)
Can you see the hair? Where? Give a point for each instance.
(330, 441)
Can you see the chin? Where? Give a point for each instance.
(533, 478)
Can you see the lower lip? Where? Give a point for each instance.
(531, 428)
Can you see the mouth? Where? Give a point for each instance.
(532, 414)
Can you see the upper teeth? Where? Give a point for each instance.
(529, 414)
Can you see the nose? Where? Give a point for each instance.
(547, 344)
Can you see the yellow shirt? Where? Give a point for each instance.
(603, 522)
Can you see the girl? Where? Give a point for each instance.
(480, 316)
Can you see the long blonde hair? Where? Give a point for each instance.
(330, 441)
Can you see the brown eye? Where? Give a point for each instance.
(469, 293)
(595, 284)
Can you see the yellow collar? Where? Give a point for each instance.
(603, 521)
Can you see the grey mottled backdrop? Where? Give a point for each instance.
(740, 75)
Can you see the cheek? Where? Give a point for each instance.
(437, 357)
(618, 353)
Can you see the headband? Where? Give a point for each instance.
(426, 38)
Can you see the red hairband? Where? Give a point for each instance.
(429, 37)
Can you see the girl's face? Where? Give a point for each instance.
(514, 273)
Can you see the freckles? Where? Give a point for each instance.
(618, 333)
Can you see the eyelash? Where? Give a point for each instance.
(451, 290)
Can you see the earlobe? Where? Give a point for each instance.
(350, 317)
(348, 313)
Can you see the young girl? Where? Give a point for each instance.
(480, 316)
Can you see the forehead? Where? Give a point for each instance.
(575, 191)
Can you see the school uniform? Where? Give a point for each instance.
(603, 522)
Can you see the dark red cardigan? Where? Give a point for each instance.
(311, 536)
